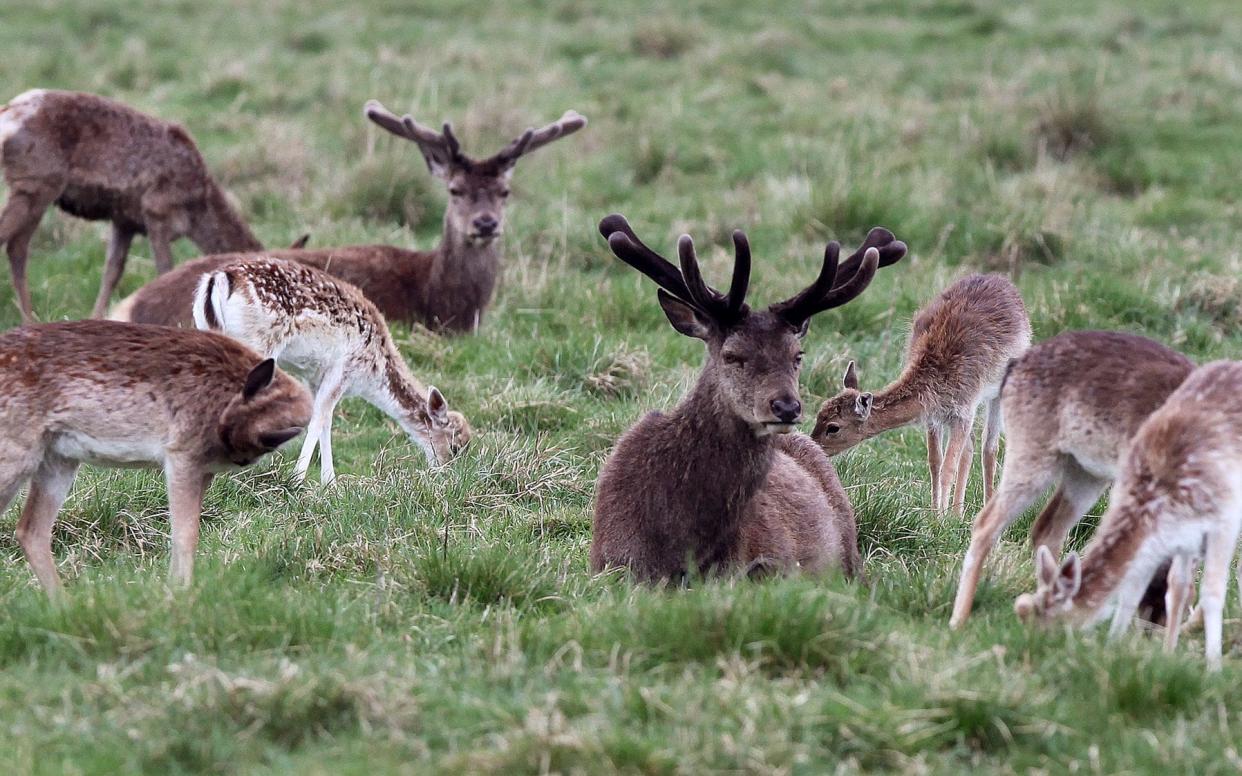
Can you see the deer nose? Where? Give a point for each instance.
(786, 410)
(486, 224)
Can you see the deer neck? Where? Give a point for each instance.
(220, 229)
(1108, 558)
(898, 404)
(462, 276)
(399, 394)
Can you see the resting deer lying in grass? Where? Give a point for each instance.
(445, 289)
(960, 345)
(1071, 405)
(324, 329)
(1179, 497)
(115, 394)
(98, 159)
(724, 480)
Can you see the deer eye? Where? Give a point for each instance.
(505, 194)
(732, 359)
(798, 360)
(457, 191)
(832, 428)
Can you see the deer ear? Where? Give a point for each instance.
(1045, 567)
(259, 378)
(862, 406)
(300, 243)
(274, 439)
(684, 318)
(802, 330)
(851, 377)
(437, 406)
(1070, 577)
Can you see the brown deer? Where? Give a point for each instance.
(446, 289)
(959, 347)
(723, 480)
(1071, 404)
(116, 394)
(320, 327)
(1178, 497)
(98, 159)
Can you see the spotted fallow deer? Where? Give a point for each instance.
(1071, 404)
(116, 394)
(446, 289)
(960, 345)
(723, 481)
(324, 329)
(98, 159)
(1178, 497)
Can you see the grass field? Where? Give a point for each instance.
(416, 621)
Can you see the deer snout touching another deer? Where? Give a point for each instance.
(723, 479)
(117, 394)
(960, 345)
(1178, 497)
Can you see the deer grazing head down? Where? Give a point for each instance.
(753, 356)
(478, 188)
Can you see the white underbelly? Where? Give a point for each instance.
(77, 446)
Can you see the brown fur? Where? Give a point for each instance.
(722, 481)
(1177, 496)
(959, 347)
(122, 395)
(1071, 405)
(98, 159)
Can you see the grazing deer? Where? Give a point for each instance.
(446, 289)
(116, 394)
(101, 160)
(1071, 404)
(324, 329)
(1179, 497)
(724, 480)
(960, 345)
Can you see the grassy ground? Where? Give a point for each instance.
(415, 620)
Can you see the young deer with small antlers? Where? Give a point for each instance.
(960, 345)
(1071, 404)
(724, 480)
(446, 289)
(101, 160)
(116, 394)
(323, 328)
(1179, 497)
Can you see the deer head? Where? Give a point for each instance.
(1055, 588)
(753, 356)
(842, 420)
(449, 429)
(478, 188)
(270, 409)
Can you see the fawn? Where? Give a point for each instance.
(723, 480)
(1178, 496)
(959, 347)
(446, 289)
(101, 160)
(321, 327)
(117, 394)
(1071, 404)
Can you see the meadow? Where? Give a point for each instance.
(415, 620)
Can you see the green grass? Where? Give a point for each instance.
(416, 621)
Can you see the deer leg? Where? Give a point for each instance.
(952, 462)
(1077, 493)
(160, 237)
(18, 222)
(114, 266)
(963, 469)
(1219, 552)
(934, 461)
(1175, 597)
(48, 490)
(187, 482)
(327, 394)
(991, 442)
(327, 473)
(1128, 598)
(1016, 493)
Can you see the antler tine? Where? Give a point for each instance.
(791, 308)
(854, 286)
(740, 281)
(704, 296)
(571, 121)
(891, 251)
(402, 126)
(450, 141)
(626, 246)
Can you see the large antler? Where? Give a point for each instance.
(880, 249)
(439, 148)
(686, 284)
(532, 138)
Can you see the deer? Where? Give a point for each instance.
(120, 395)
(97, 159)
(959, 347)
(1071, 405)
(1178, 497)
(324, 329)
(447, 289)
(723, 482)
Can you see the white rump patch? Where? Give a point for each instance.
(14, 115)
